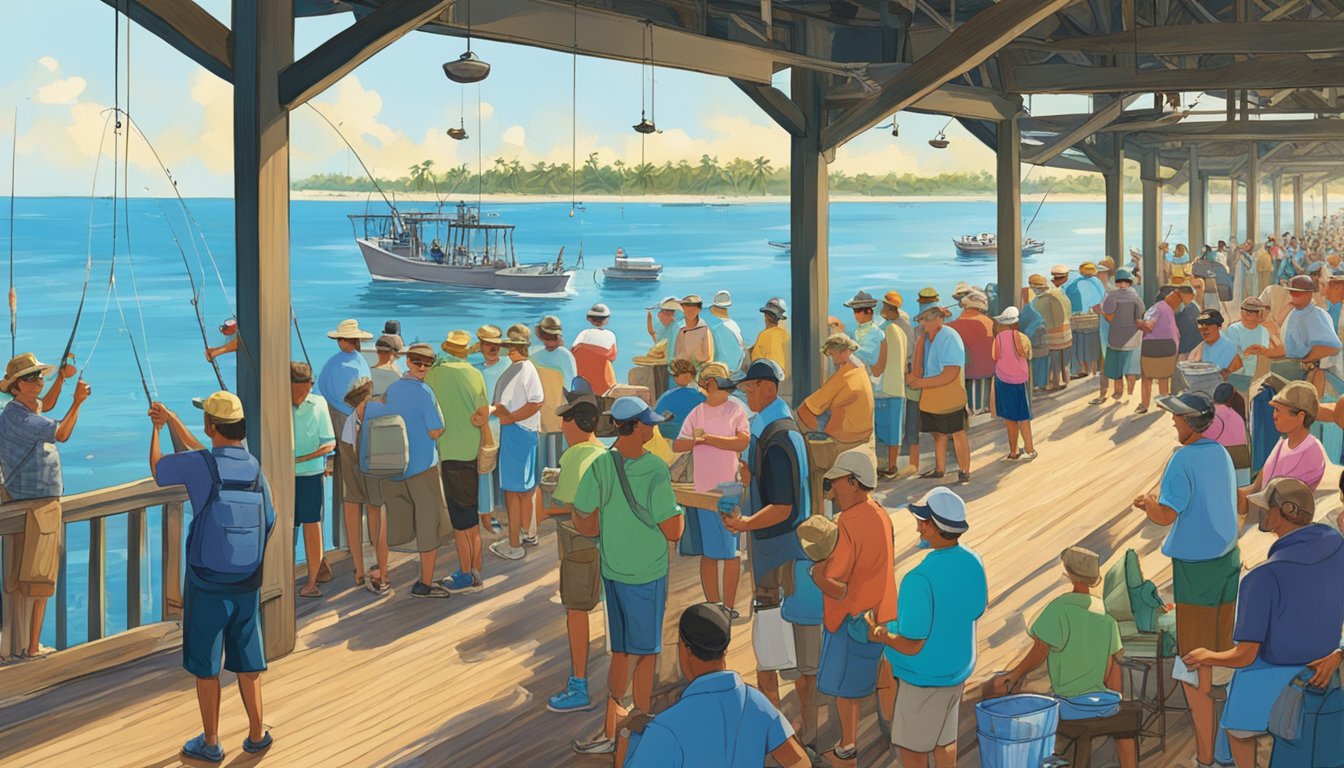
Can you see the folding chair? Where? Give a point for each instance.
(1148, 635)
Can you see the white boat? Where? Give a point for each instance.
(988, 242)
(638, 269)
(785, 246)
(477, 255)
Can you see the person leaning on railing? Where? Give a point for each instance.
(31, 467)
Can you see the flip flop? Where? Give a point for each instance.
(316, 593)
(932, 474)
(323, 572)
(1097, 401)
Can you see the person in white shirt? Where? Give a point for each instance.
(517, 402)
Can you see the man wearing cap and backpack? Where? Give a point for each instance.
(626, 500)
(931, 642)
(226, 543)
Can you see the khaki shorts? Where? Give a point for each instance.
(355, 486)
(416, 511)
(807, 648)
(925, 718)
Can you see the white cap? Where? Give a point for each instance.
(599, 310)
(723, 299)
(858, 462)
(944, 507)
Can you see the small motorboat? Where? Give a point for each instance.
(632, 269)
(781, 245)
(988, 242)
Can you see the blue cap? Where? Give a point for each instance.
(1123, 274)
(631, 408)
(944, 507)
(762, 370)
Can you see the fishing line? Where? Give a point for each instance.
(88, 260)
(351, 147)
(126, 225)
(13, 296)
(195, 297)
(299, 333)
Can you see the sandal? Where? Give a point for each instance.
(932, 474)
(323, 572)
(1013, 456)
(314, 594)
(1097, 401)
(1142, 409)
(359, 580)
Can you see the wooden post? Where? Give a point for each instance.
(1115, 203)
(1297, 206)
(263, 42)
(1197, 200)
(17, 608)
(135, 558)
(809, 219)
(97, 614)
(1276, 191)
(1253, 194)
(171, 606)
(1009, 177)
(62, 606)
(1152, 223)
(1325, 200)
(1234, 211)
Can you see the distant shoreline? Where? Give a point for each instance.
(428, 197)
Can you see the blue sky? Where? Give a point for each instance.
(395, 108)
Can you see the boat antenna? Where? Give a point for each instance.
(13, 297)
(195, 296)
(299, 333)
(355, 152)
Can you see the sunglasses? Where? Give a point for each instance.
(419, 362)
(827, 483)
(36, 376)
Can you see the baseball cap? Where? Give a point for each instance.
(1300, 396)
(599, 310)
(857, 462)
(1082, 564)
(1210, 317)
(669, 303)
(1301, 283)
(718, 372)
(1254, 304)
(762, 370)
(221, 407)
(723, 299)
(1193, 403)
(1059, 270)
(944, 507)
(630, 408)
(1285, 489)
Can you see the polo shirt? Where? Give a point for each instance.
(1200, 483)
(339, 372)
(939, 602)
(728, 348)
(848, 397)
(30, 464)
(1306, 462)
(862, 559)
(415, 404)
(312, 430)
(719, 721)
(1220, 353)
(772, 344)
(1293, 603)
(459, 389)
(869, 336)
(1082, 638)
(1305, 328)
(632, 552)
(1126, 309)
(574, 464)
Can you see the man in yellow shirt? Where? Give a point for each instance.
(773, 341)
(847, 396)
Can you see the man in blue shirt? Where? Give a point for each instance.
(342, 370)
(1290, 609)
(1309, 337)
(216, 612)
(719, 720)
(931, 644)
(416, 510)
(1213, 348)
(867, 331)
(1198, 499)
(729, 348)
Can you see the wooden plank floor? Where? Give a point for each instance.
(463, 682)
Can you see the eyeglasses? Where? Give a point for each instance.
(419, 362)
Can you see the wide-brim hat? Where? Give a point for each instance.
(599, 310)
(1010, 316)
(1300, 283)
(692, 300)
(420, 349)
(490, 334)
(929, 310)
(893, 298)
(456, 341)
(1060, 270)
(390, 342)
(861, 300)
(723, 299)
(775, 308)
(349, 329)
(550, 325)
(818, 536)
(577, 399)
(23, 365)
(1087, 269)
(1037, 281)
(927, 296)
(975, 300)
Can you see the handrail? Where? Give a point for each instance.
(102, 502)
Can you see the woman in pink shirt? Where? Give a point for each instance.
(1229, 430)
(1298, 453)
(1011, 351)
(716, 432)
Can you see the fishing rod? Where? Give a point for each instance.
(13, 296)
(351, 147)
(66, 356)
(195, 298)
(299, 333)
(1039, 206)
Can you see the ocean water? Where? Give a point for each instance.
(873, 246)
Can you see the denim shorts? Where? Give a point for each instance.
(215, 623)
(848, 668)
(635, 616)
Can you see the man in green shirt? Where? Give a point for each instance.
(314, 439)
(459, 388)
(580, 571)
(1079, 643)
(626, 500)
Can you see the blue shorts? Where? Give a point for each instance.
(550, 447)
(889, 420)
(488, 498)
(309, 498)
(215, 622)
(1252, 694)
(848, 667)
(716, 541)
(635, 616)
(517, 458)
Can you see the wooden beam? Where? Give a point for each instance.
(1261, 73)
(774, 103)
(353, 46)
(969, 101)
(186, 27)
(1241, 37)
(809, 227)
(1198, 11)
(1098, 120)
(970, 44)
(1250, 130)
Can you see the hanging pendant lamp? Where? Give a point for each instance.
(457, 134)
(940, 141)
(646, 123)
(468, 68)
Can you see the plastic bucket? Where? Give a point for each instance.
(1016, 731)
(1202, 377)
(1090, 706)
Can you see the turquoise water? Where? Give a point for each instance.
(874, 246)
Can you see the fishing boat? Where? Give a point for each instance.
(633, 269)
(781, 245)
(405, 246)
(988, 242)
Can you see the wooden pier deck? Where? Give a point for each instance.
(463, 682)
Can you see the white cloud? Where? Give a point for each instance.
(61, 91)
(487, 109)
(51, 64)
(515, 135)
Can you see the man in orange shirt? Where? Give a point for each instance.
(856, 578)
(847, 396)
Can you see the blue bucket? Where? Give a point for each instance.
(1016, 731)
(732, 497)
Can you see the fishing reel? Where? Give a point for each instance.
(68, 366)
(229, 327)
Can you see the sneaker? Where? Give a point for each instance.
(197, 749)
(1028, 455)
(502, 549)
(573, 699)
(461, 582)
(252, 747)
(963, 478)
(425, 590)
(379, 588)
(529, 540)
(598, 746)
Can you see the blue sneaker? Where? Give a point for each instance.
(461, 582)
(197, 749)
(574, 699)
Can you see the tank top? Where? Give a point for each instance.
(1010, 368)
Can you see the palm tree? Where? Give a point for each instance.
(709, 170)
(514, 168)
(760, 172)
(418, 176)
(643, 176)
(737, 171)
(619, 165)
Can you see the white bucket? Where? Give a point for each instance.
(772, 640)
(1197, 376)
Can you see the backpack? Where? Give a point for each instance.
(386, 450)
(228, 533)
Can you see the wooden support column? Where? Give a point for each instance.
(1234, 212)
(1198, 198)
(1115, 203)
(1297, 205)
(263, 33)
(1276, 192)
(809, 225)
(1325, 200)
(1009, 177)
(1152, 222)
(1253, 193)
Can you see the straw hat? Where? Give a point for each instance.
(457, 341)
(818, 537)
(489, 334)
(349, 329)
(1087, 269)
(518, 336)
(22, 366)
(928, 295)
(893, 298)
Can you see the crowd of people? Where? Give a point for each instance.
(485, 435)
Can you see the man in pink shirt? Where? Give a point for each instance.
(1298, 453)
(716, 432)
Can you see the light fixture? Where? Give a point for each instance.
(457, 134)
(646, 124)
(468, 68)
(940, 141)
(894, 126)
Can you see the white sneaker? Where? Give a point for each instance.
(502, 549)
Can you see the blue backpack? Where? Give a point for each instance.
(228, 534)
